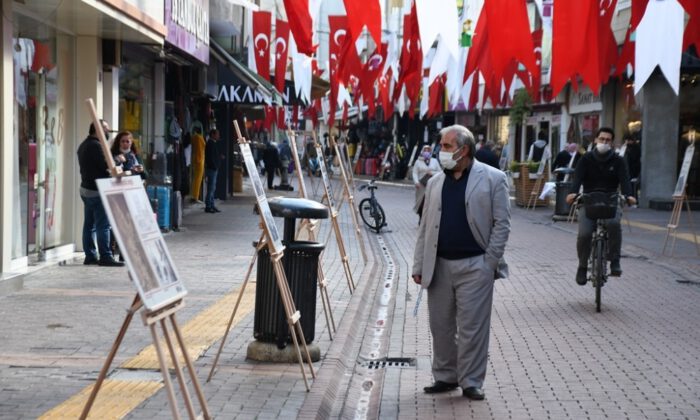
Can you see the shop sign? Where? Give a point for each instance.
(234, 90)
(584, 101)
(188, 26)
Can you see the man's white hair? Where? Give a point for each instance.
(462, 136)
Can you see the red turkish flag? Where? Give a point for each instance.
(361, 13)
(436, 96)
(412, 75)
(301, 25)
(576, 33)
(336, 41)
(626, 56)
(262, 26)
(370, 74)
(384, 95)
(692, 29)
(607, 46)
(282, 118)
(281, 53)
(270, 117)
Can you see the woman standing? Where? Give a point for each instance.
(126, 154)
(423, 168)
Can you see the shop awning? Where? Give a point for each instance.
(247, 76)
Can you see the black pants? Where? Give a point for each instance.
(586, 227)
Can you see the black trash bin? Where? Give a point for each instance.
(300, 262)
(561, 208)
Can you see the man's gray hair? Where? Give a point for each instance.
(462, 136)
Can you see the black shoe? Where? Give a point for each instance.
(474, 393)
(215, 210)
(110, 263)
(90, 261)
(440, 386)
(615, 269)
(581, 276)
(208, 210)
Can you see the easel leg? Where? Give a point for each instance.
(692, 226)
(325, 300)
(164, 371)
(190, 369)
(178, 369)
(672, 225)
(135, 305)
(235, 308)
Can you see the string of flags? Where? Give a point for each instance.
(465, 53)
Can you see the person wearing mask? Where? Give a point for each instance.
(93, 166)
(567, 158)
(458, 255)
(601, 169)
(423, 169)
(212, 159)
(126, 154)
(198, 147)
(633, 158)
(486, 155)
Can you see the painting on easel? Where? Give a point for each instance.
(136, 230)
(263, 206)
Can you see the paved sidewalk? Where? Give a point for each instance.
(551, 355)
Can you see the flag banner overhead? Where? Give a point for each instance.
(301, 24)
(361, 13)
(692, 29)
(262, 27)
(659, 41)
(281, 51)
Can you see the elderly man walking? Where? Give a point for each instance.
(458, 255)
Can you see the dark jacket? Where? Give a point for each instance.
(602, 173)
(271, 157)
(487, 156)
(211, 156)
(92, 163)
(562, 161)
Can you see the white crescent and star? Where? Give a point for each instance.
(280, 50)
(375, 61)
(264, 38)
(337, 35)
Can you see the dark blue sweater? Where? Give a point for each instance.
(455, 239)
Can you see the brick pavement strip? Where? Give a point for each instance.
(551, 355)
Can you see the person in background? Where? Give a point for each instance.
(567, 158)
(271, 158)
(486, 155)
(538, 149)
(458, 255)
(633, 158)
(212, 162)
(423, 169)
(93, 166)
(126, 154)
(285, 154)
(198, 146)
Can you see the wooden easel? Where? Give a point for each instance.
(310, 227)
(535, 193)
(276, 250)
(356, 158)
(347, 193)
(680, 197)
(150, 319)
(328, 194)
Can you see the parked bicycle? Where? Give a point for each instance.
(599, 206)
(371, 211)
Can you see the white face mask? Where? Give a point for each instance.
(446, 159)
(602, 148)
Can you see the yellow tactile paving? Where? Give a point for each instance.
(684, 236)
(200, 332)
(114, 401)
(118, 397)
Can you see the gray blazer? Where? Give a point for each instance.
(488, 215)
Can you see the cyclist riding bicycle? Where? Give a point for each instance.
(601, 169)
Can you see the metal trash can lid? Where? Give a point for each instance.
(564, 171)
(297, 208)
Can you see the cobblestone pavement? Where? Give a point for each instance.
(551, 355)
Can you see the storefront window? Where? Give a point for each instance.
(43, 82)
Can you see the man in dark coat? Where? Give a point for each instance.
(486, 155)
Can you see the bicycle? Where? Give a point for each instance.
(599, 206)
(371, 211)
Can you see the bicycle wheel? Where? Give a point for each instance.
(367, 213)
(598, 270)
(379, 217)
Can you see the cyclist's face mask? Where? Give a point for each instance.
(603, 143)
(447, 159)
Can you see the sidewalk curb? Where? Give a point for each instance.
(328, 392)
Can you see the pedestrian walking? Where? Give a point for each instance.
(458, 255)
(423, 169)
(212, 159)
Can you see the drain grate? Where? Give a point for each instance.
(387, 362)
